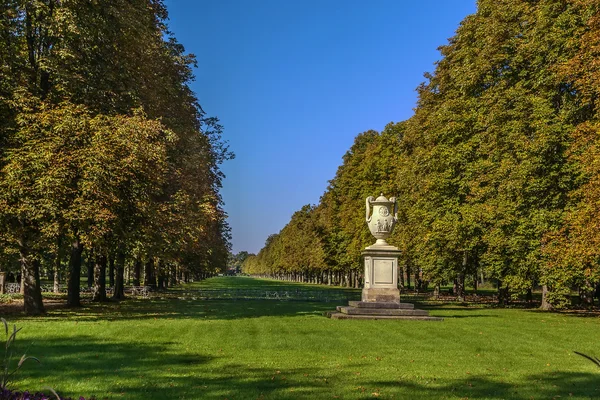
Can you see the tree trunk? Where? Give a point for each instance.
(529, 295)
(165, 274)
(460, 287)
(57, 261)
(408, 272)
(401, 277)
(74, 283)
(172, 275)
(99, 291)
(436, 291)
(90, 268)
(137, 270)
(111, 271)
(30, 280)
(460, 278)
(586, 294)
(417, 282)
(502, 294)
(545, 304)
(180, 277)
(119, 292)
(22, 281)
(149, 273)
(162, 279)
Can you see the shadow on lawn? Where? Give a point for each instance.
(465, 312)
(177, 309)
(154, 371)
(581, 313)
(171, 308)
(538, 386)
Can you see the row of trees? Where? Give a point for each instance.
(497, 173)
(104, 146)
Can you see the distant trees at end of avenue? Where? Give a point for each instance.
(497, 173)
(106, 156)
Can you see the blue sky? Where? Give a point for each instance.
(294, 81)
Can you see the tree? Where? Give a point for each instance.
(89, 144)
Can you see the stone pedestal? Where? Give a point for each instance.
(380, 295)
(380, 310)
(381, 274)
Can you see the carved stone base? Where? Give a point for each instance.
(381, 274)
(380, 295)
(380, 310)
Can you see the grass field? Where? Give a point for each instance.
(170, 348)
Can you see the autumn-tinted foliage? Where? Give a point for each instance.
(105, 148)
(497, 172)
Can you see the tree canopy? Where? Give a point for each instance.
(496, 173)
(104, 145)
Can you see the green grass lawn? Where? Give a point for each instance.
(173, 348)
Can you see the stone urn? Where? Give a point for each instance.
(382, 220)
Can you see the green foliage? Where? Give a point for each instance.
(497, 171)
(103, 142)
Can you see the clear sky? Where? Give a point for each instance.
(294, 81)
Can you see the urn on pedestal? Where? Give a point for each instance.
(380, 298)
(381, 259)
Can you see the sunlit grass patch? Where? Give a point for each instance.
(169, 348)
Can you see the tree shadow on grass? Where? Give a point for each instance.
(466, 312)
(179, 309)
(173, 308)
(572, 385)
(582, 313)
(122, 370)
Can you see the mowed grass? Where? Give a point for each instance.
(173, 348)
(241, 282)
